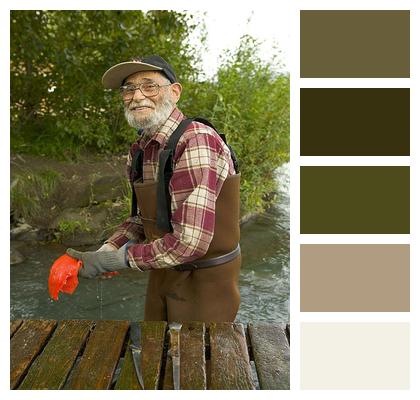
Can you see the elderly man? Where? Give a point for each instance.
(184, 227)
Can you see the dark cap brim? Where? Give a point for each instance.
(114, 77)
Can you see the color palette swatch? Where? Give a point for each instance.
(366, 198)
(355, 355)
(355, 44)
(355, 199)
(355, 277)
(355, 122)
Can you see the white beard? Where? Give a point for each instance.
(150, 124)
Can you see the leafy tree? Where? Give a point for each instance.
(57, 61)
(249, 101)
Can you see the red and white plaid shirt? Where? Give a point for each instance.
(202, 162)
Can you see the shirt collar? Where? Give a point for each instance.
(165, 130)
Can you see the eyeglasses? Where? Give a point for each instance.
(149, 89)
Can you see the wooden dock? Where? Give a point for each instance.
(82, 354)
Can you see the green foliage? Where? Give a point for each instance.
(29, 191)
(248, 101)
(58, 105)
(59, 108)
(70, 227)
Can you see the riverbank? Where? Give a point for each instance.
(75, 204)
(66, 202)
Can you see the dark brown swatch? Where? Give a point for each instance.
(355, 44)
(355, 277)
(355, 199)
(355, 122)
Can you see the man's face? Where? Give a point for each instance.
(150, 112)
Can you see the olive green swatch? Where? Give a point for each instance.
(355, 122)
(357, 199)
(355, 277)
(355, 44)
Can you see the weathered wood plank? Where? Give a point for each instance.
(100, 357)
(152, 341)
(26, 345)
(14, 325)
(51, 368)
(271, 355)
(193, 358)
(229, 360)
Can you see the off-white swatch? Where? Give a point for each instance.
(354, 355)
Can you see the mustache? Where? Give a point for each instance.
(143, 103)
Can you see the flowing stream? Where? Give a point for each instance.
(264, 281)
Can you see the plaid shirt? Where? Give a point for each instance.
(202, 162)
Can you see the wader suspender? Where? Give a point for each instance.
(163, 213)
(163, 210)
(137, 167)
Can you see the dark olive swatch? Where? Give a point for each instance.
(355, 122)
(357, 199)
(355, 44)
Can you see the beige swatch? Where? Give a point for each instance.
(354, 356)
(355, 277)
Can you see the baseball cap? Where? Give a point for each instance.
(115, 76)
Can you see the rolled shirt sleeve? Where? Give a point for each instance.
(130, 229)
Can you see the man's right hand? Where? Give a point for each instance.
(107, 247)
(95, 263)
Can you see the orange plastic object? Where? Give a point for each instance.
(110, 274)
(63, 276)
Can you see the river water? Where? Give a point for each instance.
(264, 281)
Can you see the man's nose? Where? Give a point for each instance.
(138, 95)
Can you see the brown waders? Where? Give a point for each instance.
(209, 294)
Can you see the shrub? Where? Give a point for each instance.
(29, 192)
(249, 101)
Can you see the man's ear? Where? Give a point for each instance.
(176, 89)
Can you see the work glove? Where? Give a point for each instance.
(98, 262)
(107, 247)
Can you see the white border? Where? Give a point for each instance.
(296, 239)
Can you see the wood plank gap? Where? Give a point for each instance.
(76, 362)
(208, 355)
(164, 360)
(78, 357)
(117, 371)
(14, 326)
(207, 342)
(100, 356)
(249, 344)
(52, 328)
(255, 376)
